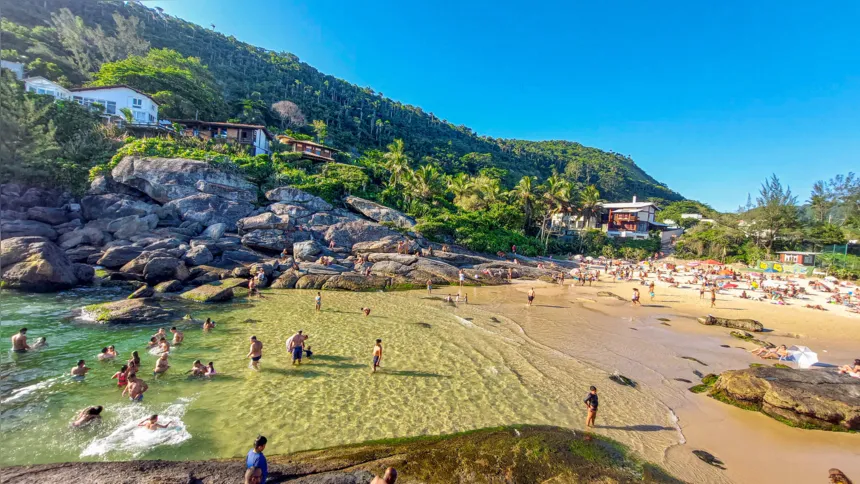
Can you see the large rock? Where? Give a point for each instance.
(161, 269)
(744, 324)
(287, 280)
(214, 231)
(264, 221)
(48, 215)
(405, 259)
(81, 253)
(114, 205)
(198, 256)
(385, 244)
(306, 250)
(118, 256)
(347, 234)
(144, 310)
(141, 292)
(136, 265)
(805, 398)
(312, 281)
(35, 264)
(379, 213)
(69, 226)
(272, 240)
(438, 269)
(226, 191)
(210, 209)
(83, 236)
(293, 211)
(241, 256)
(294, 196)
(169, 179)
(217, 291)
(126, 227)
(34, 197)
(356, 282)
(390, 268)
(26, 228)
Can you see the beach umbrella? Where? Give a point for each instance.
(712, 262)
(730, 286)
(803, 356)
(692, 264)
(831, 279)
(770, 270)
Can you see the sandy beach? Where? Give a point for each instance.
(610, 335)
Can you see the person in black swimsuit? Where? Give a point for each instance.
(591, 402)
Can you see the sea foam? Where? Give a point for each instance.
(128, 437)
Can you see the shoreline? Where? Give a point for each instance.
(635, 343)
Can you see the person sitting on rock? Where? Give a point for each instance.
(390, 477)
(851, 370)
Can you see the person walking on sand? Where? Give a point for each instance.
(257, 459)
(255, 353)
(651, 290)
(429, 286)
(390, 476)
(636, 297)
(318, 302)
(713, 297)
(377, 355)
(295, 346)
(19, 341)
(591, 403)
(135, 388)
(462, 276)
(702, 291)
(531, 296)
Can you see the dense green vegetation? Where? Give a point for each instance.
(250, 80)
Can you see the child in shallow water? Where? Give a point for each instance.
(210, 370)
(198, 369)
(308, 353)
(152, 423)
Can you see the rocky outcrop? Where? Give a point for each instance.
(197, 256)
(286, 280)
(84, 236)
(356, 282)
(160, 269)
(35, 264)
(114, 205)
(115, 257)
(307, 250)
(742, 324)
(272, 240)
(293, 211)
(803, 398)
(26, 228)
(126, 227)
(387, 243)
(264, 221)
(169, 179)
(217, 291)
(211, 209)
(168, 286)
(127, 311)
(294, 196)
(48, 215)
(141, 292)
(379, 213)
(517, 454)
(214, 231)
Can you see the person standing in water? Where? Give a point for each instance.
(121, 376)
(591, 403)
(295, 346)
(462, 276)
(177, 336)
(651, 289)
(134, 362)
(208, 324)
(80, 370)
(318, 302)
(161, 365)
(257, 459)
(429, 286)
(135, 388)
(531, 296)
(377, 355)
(19, 341)
(255, 353)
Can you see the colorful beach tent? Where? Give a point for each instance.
(692, 264)
(712, 262)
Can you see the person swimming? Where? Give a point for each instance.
(88, 416)
(177, 335)
(210, 370)
(366, 311)
(208, 324)
(198, 369)
(105, 355)
(41, 342)
(80, 370)
(164, 345)
(152, 423)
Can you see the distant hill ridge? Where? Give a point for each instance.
(358, 118)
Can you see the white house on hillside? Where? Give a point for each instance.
(114, 98)
(40, 85)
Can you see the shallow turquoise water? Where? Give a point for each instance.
(445, 369)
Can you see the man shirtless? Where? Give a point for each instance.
(295, 346)
(19, 341)
(177, 335)
(255, 353)
(135, 388)
(531, 296)
(160, 334)
(80, 370)
(390, 476)
(161, 364)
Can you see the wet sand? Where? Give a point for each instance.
(609, 335)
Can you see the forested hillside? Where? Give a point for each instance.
(251, 79)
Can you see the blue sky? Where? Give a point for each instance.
(708, 97)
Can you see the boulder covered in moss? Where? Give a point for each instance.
(143, 310)
(356, 282)
(742, 324)
(802, 398)
(520, 454)
(217, 291)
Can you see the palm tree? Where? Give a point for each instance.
(396, 162)
(127, 114)
(557, 195)
(461, 186)
(489, 188)
(524, 192)
(424, 182)
(589, 204)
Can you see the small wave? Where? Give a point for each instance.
(128, 437)
(465, 322)
(24, 391)
(674, 418)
